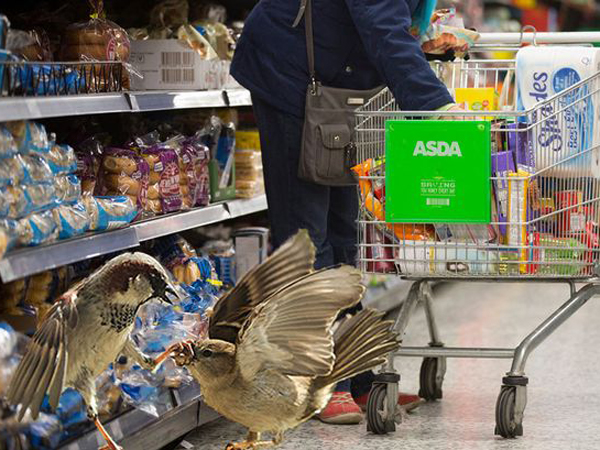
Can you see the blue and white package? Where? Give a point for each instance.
(72, 220)
(564, 130)
(61, 159)
(36, 168)
(37, 229)
(8, 147)
(31, 137)
(68, 189)
(108, 213)
(12, 171)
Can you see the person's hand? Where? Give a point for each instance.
(456, 108)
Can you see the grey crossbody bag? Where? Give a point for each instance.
(328, 150)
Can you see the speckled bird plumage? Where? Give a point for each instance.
(272, 358)
(87, 328)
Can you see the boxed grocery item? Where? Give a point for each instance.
(172, 64)
(477, 99)
(251, 247)
(550, 255)
(428, 257)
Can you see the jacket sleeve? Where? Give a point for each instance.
(383, 26)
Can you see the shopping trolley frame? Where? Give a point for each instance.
(383, 412)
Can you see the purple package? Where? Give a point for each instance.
(519, 143)
(502, 164)
(168, 185)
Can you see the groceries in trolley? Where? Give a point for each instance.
(541, 225)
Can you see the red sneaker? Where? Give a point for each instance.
(341, 410)
(407, 401)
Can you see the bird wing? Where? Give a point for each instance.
(291, 261)
(291, 331)
(43, 368)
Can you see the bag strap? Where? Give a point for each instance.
(306, 12)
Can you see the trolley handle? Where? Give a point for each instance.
(533, 37)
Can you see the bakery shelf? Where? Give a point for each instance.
(25, 262)
(28, 108)
(29, 261)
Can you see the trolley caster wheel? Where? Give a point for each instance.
(506, 425)
(432, 378)
(377, 422)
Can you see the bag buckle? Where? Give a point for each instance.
(314, 86)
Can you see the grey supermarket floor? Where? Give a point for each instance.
(563, 409)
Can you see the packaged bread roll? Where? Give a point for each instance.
(166, 165)
(96, 39)
(132, 175)
(108, 213)
(123, 184)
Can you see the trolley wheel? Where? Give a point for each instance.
(377, 422)
(430, 382)
(506, 426)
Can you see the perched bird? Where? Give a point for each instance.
(272, 358)
(88, 328)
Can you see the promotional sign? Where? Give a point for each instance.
(438, 171)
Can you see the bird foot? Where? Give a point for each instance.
(245, 445)
(111, 447)
(182, 353)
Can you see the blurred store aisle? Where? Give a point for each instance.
(564, 394)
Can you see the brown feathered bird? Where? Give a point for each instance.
(88, 328)
(273, 358)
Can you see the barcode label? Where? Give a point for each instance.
(177, 59)
(180, 76)
(438, 202)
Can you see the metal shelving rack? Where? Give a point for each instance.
(183, 409)
(32, 108)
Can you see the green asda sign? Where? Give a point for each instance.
(438, 171)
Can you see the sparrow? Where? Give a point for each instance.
(86, 329)
(272, 358)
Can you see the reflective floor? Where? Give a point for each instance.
(563, 409)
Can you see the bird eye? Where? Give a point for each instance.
(207, 353)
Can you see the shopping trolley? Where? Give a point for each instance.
(544, 215)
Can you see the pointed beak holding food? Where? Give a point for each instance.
(169, 292)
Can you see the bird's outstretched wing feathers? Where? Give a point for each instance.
(291, 331)
(43, 368)
(291, 261)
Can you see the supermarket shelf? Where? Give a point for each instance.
(26, 262)
(29, 261)
(22, 108)
(179, 412)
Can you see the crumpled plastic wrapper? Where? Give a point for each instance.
(197, 42)
(447, 32)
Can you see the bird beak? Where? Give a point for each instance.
(169, 292)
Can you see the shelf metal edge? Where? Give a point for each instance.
(29, 261)
(242, 207)
(182, 221)
(27, 108)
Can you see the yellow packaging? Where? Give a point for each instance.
(477, 99)
(518, 187)
(247, 140)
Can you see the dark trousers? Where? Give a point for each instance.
(328, 213)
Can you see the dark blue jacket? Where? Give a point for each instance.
(360, 44)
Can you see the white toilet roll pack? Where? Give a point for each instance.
(568, 127)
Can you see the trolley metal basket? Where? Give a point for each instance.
(544, 220)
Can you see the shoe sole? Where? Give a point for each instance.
(342, 419)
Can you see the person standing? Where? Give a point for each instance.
(359, 44)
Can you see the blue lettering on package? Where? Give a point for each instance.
(578, 110)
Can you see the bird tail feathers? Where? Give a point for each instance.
(362, 342)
